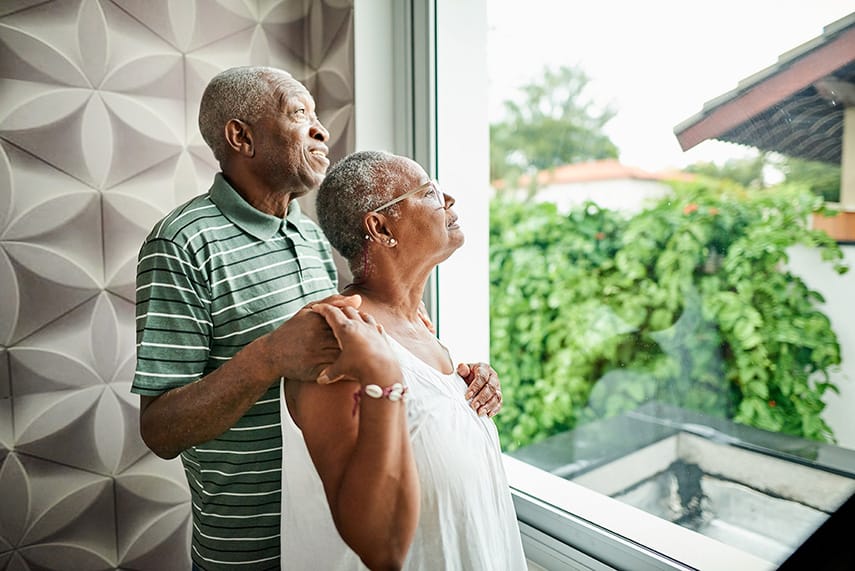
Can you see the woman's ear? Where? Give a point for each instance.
(239, 137)
(377, 229)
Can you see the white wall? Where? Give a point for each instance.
(839, 293)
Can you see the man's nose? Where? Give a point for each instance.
(319, 132)
(449, 200)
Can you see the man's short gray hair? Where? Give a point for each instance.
(354, 186)
(244, 93)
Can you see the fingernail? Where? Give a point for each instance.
(323, 378)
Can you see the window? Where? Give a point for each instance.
(657, 414)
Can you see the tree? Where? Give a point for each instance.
(554, 124)
(820, 178)
(746, 172)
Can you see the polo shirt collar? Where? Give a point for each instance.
(248, 218)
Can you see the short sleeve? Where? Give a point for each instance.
(173, 318)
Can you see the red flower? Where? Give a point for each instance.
(772, 403)
(713, 210)
(689, 208)
(600, 235)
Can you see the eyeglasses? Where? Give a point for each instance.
(432, 184)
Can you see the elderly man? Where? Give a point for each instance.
(222, 285)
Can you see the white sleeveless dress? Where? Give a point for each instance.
(467, 520)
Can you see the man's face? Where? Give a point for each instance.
(292, 145)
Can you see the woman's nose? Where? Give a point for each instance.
(449, 200)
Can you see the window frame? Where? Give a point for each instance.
(421, 91)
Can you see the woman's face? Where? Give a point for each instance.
(424, 222)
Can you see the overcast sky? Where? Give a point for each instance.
(655, 61)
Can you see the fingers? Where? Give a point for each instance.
(492, 406)
(339, 300)
(333, 315)
(324, 377)
(478, 377)
(338, 319)
(483, 390)
(369, 319)
(487, 402)
(464, 371)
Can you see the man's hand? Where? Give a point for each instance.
(366, 356)
(483, 388)
(304, 345)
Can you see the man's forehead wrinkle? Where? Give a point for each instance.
(286, 88)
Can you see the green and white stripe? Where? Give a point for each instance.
(212, 276)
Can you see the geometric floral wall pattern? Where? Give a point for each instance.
(98, 140)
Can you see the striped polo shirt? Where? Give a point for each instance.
(212, 276)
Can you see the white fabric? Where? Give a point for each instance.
(467, 519)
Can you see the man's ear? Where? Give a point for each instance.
(239, 137)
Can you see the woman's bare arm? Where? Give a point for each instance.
(364, 459)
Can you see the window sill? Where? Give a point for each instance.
(613, 533)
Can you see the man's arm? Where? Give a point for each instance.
(484, 389)
(180, 407)
(363, 456)
(200, 411)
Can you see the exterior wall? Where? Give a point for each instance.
(98, 139)
(837, 291)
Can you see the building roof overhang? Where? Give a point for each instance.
(795, 107)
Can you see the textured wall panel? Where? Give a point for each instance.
(54, 516)
(98, 140)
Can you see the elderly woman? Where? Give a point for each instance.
(390, 465)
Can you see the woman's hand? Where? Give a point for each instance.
(366, 356)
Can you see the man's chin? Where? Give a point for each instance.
(299, 193)
(302, 185)
(312, 182)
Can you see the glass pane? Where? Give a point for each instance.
(673, 328)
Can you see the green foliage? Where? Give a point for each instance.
(688, 302)
(821, 178)
(554, 124)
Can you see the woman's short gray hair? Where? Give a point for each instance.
(353, 187)
(244, 93)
